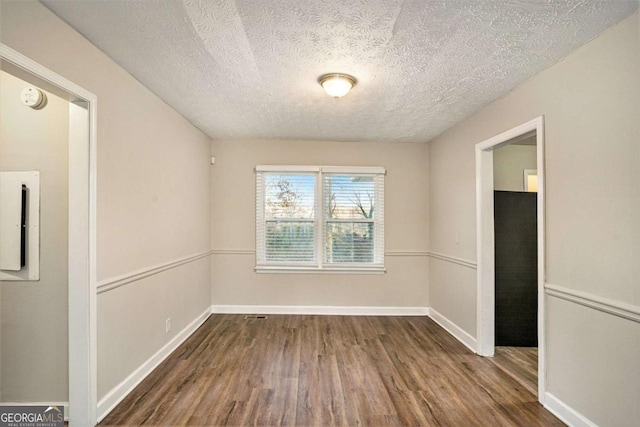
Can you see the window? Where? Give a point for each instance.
(531, 180)
(319, 218)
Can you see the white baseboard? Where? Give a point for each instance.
(566, 413)
(320, 310)
(457, 332)
(119, 392)
(63, 404)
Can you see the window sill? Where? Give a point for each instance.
(263, 269)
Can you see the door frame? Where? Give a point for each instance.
(82, 235)
(486, 243)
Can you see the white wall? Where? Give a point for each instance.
(153, 194)
(233, 226)
(509, 163)
(590, 101)
(33, 315)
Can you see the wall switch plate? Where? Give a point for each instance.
(167, 324)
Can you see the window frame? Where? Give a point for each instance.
(320, 222)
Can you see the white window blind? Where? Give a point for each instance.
(323, 218)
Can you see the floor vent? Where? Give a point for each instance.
(255, 316)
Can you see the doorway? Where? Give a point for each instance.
(78, 209)
(515, 234)
(486, 247)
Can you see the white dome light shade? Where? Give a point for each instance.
(337, 84)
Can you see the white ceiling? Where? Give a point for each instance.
(248, 69)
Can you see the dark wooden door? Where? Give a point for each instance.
(516, 269)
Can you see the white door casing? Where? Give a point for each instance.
(82, 236)
(486, 244)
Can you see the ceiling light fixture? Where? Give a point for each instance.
(337, 84)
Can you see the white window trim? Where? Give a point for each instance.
(320, 223)
(325, 169)
(270, 269)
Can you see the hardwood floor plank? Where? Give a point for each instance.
(521, 363)
(329, 371)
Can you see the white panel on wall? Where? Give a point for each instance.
(10, 222)
(11, 184)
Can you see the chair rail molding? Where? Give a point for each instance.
(406, 253)
(609, 306)
(453, 260)
(233, 251)
(125, 279)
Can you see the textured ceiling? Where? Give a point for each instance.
(248, 69)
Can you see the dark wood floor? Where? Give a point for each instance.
(327, 370)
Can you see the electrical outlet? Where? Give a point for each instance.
(167, 324)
